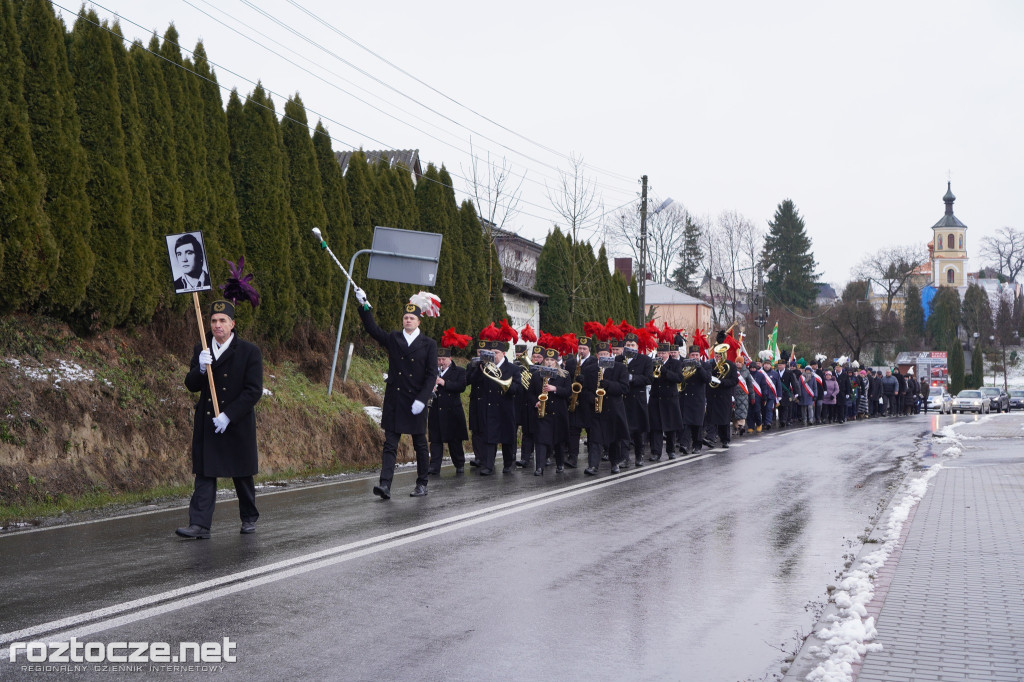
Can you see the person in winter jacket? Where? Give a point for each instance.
(828, 414)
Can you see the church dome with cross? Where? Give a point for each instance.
(949, 247)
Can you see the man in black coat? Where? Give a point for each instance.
(412, 375)
(845, 389)
(724, 378)
(640, 367)
(607, 428)
(575, 365)
(492, 408)
(663, 407)
(446, 422)
(524, 405)
(693, 400)
(224, 445)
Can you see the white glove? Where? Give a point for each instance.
(205, 358)
(715, 381)
(417, 406)
(361, 296)
(220, 423)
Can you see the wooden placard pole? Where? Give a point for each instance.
(202, 340)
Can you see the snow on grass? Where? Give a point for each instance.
(64, 372)
(849, 633)
(373, 413)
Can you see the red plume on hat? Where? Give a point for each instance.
(627, 328)
(592, 329)
(646, 341)
(549, 341)
(701, 341)
(527, 334)
(507, 333)
(452, 339)
(667, 334)
(612, 331)
(490, 333)
(570, 344)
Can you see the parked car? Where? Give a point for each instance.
(998, 398)
(940, 401)
(1017, 398)
(970, 400)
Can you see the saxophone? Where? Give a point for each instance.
(577, 388)
(543, 398)
(599, 400)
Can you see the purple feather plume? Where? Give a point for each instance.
(237, 287)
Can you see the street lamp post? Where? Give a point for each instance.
(641, 315)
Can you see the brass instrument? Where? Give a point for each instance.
(577, 388)
(689, 368)
(492, 372)
(657, 369)
(721, 369)
(600, 392)
(543, 398)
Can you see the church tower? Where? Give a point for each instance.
(949, 247)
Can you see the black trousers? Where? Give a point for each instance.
(638, 446)
(595, 450)
(689, 438)
(204, 497)
(656, 439)
(527, 447)
(544, 451)
(390, 456)
(454, 449)
(572, 448)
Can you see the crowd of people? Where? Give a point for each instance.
(632, 395)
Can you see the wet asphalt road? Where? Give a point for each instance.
(696, 569)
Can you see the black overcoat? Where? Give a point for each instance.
(447, 420)
(610, 424)
(693, 398)
(492, 414)
(640, 370)
(554, 427)
(720, 396)
(412, 374)
(238, 378)
(577, 419)
(664, 403)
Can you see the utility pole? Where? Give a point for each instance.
(641, 276)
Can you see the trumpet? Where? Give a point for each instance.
(657, 369)
(577, 388)
(600, 392)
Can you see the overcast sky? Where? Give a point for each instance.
(859, 112)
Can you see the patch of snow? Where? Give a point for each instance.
(849, 634)
(374, 413)
(64, 372)
(266, 391)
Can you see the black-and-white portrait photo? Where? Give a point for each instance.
(188, 262)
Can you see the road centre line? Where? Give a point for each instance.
(173, 600)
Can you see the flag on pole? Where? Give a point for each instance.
(773, 344)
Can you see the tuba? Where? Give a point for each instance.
(721, 369)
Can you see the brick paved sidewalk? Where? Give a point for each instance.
(954, 608)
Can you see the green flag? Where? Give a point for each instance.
(773, 344)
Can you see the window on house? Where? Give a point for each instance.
(949, 242)
(949, 276)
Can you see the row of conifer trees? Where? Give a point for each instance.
(107, 147)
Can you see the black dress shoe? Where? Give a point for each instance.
(382, 491)
(590, 471)
(194, 532)
(725, 446)
(671, 455)
(604, 458)
(559, 470)
(458, 470)
(655, 459)
(615, 469)
(420, 491)
(523, 463)
(248, 527)
(506, 470)
(684, 451)
(639, 462)
(433, 473)
(570, 465)
(474, 463)
(538, 472)
(486, 472)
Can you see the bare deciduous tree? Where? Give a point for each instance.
(666, 234)
(494, 187)
(891, 269)
(1005, 251)
(733, 247)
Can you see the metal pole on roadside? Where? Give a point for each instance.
(641, 275)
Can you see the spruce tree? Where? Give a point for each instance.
(338, 230)
(552, 279)
(976, 312)
(977, 365)
(313, 281)
(30, 252)
(257, 168)
(436, 216)
(91, 60)
(691, 258)
(944, 317)
(55, 130)
(913, 315)
(478, 304)
(457, 265)
(360, 187)
(147, 253)
(787, 247)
